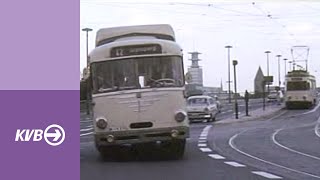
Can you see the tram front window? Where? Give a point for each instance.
(298, 86)
(115, 75)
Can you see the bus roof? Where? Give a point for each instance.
(161, 31)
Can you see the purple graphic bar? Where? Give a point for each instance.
(39, 45)
(38, 110)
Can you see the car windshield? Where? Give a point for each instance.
(197, 101)
(124, 74)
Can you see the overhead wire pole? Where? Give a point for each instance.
(87, 80)
(229, 82)
(267, 52)
(285, 70)
(279, 69)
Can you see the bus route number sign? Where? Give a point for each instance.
(135, 50)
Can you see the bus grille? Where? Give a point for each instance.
(141, 125)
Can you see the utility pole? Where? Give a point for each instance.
(87, 81)
(267, 52)
(279, 69)
(229, 82)
(235, 62)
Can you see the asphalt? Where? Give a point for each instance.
(201, 160)
(284, 144)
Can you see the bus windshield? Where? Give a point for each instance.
(124, 74)
(298, 86)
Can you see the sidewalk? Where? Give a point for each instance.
(254, 115)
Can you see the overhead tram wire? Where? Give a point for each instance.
(269, 16)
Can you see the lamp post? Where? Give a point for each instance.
(290, 65)
(87, 82)
(235, 62)
(279, 69)
(267, 52)
(229, 93)
(285, 66)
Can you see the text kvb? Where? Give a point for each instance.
(35, 135)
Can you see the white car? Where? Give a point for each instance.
(273, 96)
(202, 107)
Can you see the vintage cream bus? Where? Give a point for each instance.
(138, 89)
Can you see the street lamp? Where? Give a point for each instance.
(87, 82)
(267, 52)
(285, 66)
(235, 62)
(279, 69)
(229, 93)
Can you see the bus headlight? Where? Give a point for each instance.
(101, 123)
(180, 116)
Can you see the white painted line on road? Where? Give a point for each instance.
(202, 145)
(229, 111)
(234, 164)
(203, 138)
(216, 156)
(202, 141)
(311, 111)
(85, 134)
(204, 133)
(88, 129)
(317, 130)
(205, 149)
(289, 149)
(223, 112)
(266, 175)
(231, 140)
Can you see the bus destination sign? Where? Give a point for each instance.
(135, 50)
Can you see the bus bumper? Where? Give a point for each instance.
(140, 136)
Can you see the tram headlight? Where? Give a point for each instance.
(180, 116)
(101, 123)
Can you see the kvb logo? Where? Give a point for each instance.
(54, 135)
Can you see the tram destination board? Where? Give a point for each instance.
(135, 50)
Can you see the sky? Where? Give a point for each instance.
(250, 27)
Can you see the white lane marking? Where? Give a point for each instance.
(202, 141)
(203, 134)
(289, 149)
(235, 164)
(216, 156)
(266, 175)
(317, 130)
(202, 145)
(203, 138)
(229, 111)
(265, 161)
(205, 149)
(85, 134)
(88, 129)
(311, 111)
